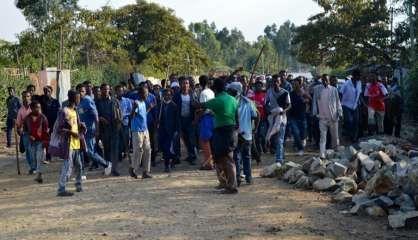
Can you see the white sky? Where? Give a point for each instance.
(249, 16)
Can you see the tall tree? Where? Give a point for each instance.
(347, 31)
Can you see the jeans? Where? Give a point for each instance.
(280, 144)
(26, 144)
(260, 136)
(9, 131)
(351, 123)
(74, 160)
(124, 142)
(92, 153)
(165, 146)
(333, 128)
(110, 142)
(189, 136)
(298, 128)
(243, 153)
(37, 151)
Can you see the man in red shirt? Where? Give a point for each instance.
(376, 93)
(259, 98)
(35, 125)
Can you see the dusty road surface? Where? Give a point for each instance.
(182, 205)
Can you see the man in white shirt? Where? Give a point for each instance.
(327, 107)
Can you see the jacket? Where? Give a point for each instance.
(334, 102)
(59, 145)
(177, 100)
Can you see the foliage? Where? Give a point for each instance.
(347, 31)
(154, 37)
(412, 94)
(18, 82)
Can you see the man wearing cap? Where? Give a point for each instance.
(247, 112)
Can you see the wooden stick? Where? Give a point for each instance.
(256, 62)
(17, 148)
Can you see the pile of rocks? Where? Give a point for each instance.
(377, 177)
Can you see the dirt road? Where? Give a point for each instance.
(182, 205)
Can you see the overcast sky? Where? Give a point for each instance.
(250, 16)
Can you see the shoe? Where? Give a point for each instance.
(132, 173)
(108, 169)
(219, 187)
(79, 189)
(115, 174)
(39, 178)
(301, 153)
(146, 175)
(65, 194)
(229, 191)
(31, 172)
(84, 178)
(238, 183)
(250, 182)
(46, 162)
(304, 143)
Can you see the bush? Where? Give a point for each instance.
(98, 75)
(18, 82)
(411, 94)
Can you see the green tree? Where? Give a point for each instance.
(346, 32)
(156, 40)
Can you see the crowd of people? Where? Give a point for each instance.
(229, 120)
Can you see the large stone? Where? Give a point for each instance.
(338, 169)
(347, 184)
(319, 171)
(412, 153)
(361, 205)
(385, 158)
(375, 211)
(370, 146)
(400, 219)
(405, 203)
(286, 167)
(325, 184)
(381, 183)
(365, 161)
(269, 171)
(360, 197)
(315, 163)
(353, 152)
(391, 150)
(303, 183)
(288, 174)
(306, 166)
(296, 176)
(384, 202)
(342, 197)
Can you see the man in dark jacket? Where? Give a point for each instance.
(168, 126)
(13, 105)
(50, 107)
(185, 100)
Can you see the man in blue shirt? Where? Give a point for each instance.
(126, 109)
(88, 115)
(152, 112)
(247, 112)
(140, 137)
(350, 92)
